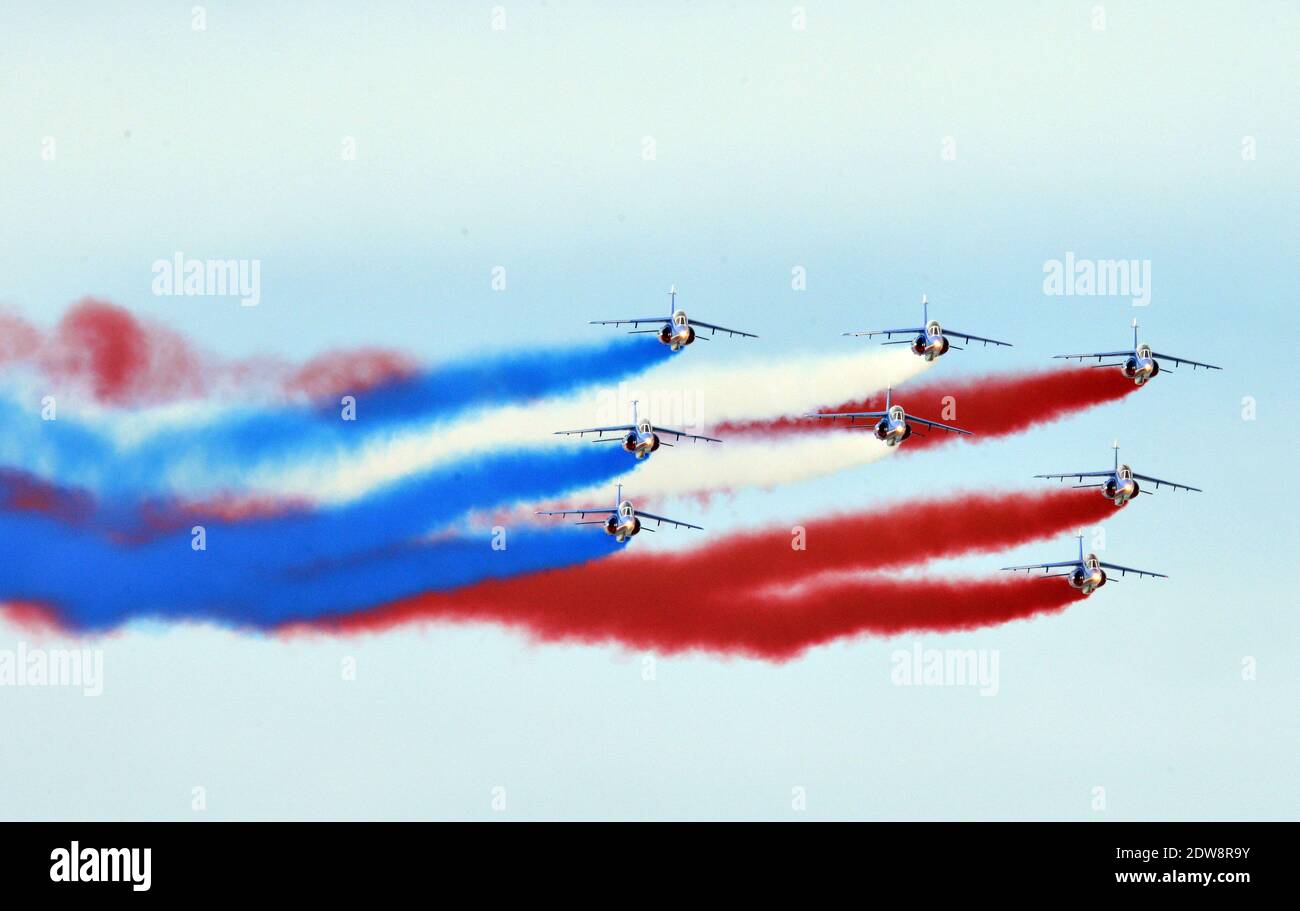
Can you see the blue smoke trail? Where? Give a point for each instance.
(77, 454)
(506, 378)
(218, 589)
(267, 571)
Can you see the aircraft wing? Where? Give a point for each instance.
(977, 338)
(586, 430)
(682, 434)
(1030, 567)
(1076, 474)
(1183, 360)
(712, 329)
(661, 520)
(887, 333)
(848, 414)
(1098, 356)
(581, 513)
(1158, 482)
(1125, 570)
(938, 426)
(629, 322)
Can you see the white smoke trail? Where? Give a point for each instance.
(686, 395)
(701, 391)
(687, 470)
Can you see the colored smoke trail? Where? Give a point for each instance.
(124, 361)
(765, 454)
(992, 405)
(681, 393)
(23, 493)
(120, 360)
(698, 386)
(282, 588)
(549, 607)
(408, 421)
(317, 522)
(150, 453)
(266, 570)
(300, 568)
(700, 469)
(729, 604)
(903, 533)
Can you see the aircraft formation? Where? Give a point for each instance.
(892, 426)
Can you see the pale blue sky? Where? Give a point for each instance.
(774, 148)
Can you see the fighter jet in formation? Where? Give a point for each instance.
(677, 330)
(624, 522)
(930, 340)
(893, 425)
(1139, 363)
(1087, 573)
(640, 437)
(1120, 484)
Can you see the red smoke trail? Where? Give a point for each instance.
(18, 339)
(119, 358)
(557, 607)
(31, 617)
(23, 492)
(162, 515)
(992, 405)
(122, 360)
(329, 374)
(724, 600)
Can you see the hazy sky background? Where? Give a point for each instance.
(775, 148)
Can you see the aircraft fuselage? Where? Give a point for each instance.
(930, 343)
(1140, 366)
(623, 523)
(1088, 576)
(893, 428)
(641, 442)
(677, 332)
(1121, 486)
